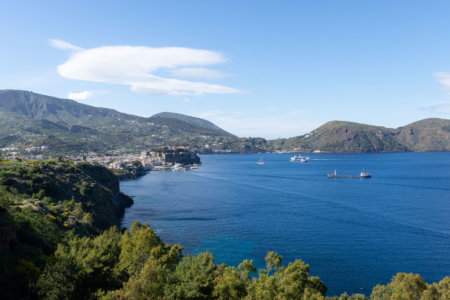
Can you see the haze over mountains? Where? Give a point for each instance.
(28, 119)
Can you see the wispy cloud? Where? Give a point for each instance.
(84, 95)
(199, 73)
(444, 79)
(63, 45)
(135, 66)
(442, 108)
(439, 108)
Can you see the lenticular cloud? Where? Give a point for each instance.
(135, 66)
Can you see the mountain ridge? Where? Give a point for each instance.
(38, 106)
(190, 120)
(432, 134)
(30, 119)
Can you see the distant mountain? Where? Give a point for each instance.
(34, 106)
(426, 135)
(339, 136)
(29, 120)
(168, 118)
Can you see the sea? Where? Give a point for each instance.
(354, 233)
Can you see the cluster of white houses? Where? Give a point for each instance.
(151, 159)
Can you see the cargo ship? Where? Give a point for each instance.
(363, 174)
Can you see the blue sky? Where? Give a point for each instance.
(255, 68)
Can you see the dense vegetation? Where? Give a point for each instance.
(29, 121)
(49, 202)
(339, 136)
(60, 240)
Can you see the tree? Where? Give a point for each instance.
(151, 280)
(137, 244)
(438, 291)
(264, 287)
(403, 286)
(228, 283)
(82, 267)
(273, 261)
(61, 279)
(149, 283)
(193, 278)
(286, 282)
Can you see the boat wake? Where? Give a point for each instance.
(320, 201)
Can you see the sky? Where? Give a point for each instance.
(255, 68)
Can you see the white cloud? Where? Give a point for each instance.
(444, 79)
(84, 95)
(64, 45)
(154, 85)
(442, 108)
(199, 73)
(133, 66)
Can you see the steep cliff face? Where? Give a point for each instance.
(43, 203)
(90, 194)
(106, 187)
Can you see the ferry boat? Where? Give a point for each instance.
(178, 167)
(299, 158)
(363, 174)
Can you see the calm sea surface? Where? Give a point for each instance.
(354, 233)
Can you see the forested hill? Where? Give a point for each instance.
(29, 120)
(55, 244)
(32, 106)
(425, 135)
(340, 136)
(65, 112)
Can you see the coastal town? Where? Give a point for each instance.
(123, 165)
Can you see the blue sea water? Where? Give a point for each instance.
(354, 233)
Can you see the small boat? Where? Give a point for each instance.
(178, 167)
(299, 158)
(363, 174)
(260, 162)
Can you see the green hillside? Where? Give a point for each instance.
(45, 203)
(339, 136)
(56, 243)
(426, 135)
(29, 105)
(31, 120)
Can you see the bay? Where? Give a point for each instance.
(354, 233)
